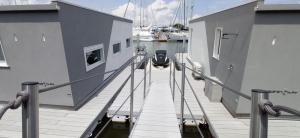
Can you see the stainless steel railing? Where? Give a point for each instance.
(261, 106)
(29, 97)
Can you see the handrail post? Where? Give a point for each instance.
(32, 108)
(131, 95)
(264, 119)
(173, 92)
(170, 73)
(182, 97)
(259, 118)
(150, 71)
(145, 75)
(24, 116)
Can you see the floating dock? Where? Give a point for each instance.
(158, 107)
(223, 125)
(63, 123)
(158, 117)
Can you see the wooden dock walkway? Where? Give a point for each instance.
(158, 118)
(63, 123)
(223, 125)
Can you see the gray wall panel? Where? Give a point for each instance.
(82, 28)
(274, 66)
(239, 21)
(31, 59)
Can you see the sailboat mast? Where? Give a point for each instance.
(184, 18)
(141, 13)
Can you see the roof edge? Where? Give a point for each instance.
(226, 9)
(87, 8)
(37, 7)
(277, 7)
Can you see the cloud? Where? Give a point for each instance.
(23, 2)
(159, 12)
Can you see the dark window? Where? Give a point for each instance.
(217, 42)
(128, 42)
(1, 53)
(93, 56)
(116, 48)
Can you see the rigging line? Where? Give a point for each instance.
(177, 10)
(126, 8)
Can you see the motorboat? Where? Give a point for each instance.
(160, 58)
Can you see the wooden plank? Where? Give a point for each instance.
(224, 125)
(62, 123)
(158, 117)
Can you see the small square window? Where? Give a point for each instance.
(128, 42)
(217, 42)
(94, 56)
(116, 48)
(2, 57)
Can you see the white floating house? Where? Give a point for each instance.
(251, 46)
(57, 43)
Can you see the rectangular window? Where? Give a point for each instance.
(2, 57)
(116, 48)
(217, 43)
(128, 42)
(94, 56)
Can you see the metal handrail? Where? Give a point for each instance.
(183, 99)
(122, 86)
(83, 79)
(28, 97)
(194, 93)
(224, 86)
(192, 115)
(73, 82)
(260, 109)
(128, 97)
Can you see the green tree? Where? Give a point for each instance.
(178, 26)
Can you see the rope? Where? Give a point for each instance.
(21, 97)
(126, 8)
(287, 109)
(275, 110)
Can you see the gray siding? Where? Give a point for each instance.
(81, 28)
(238, 20)
(29, 58)
(274, 66)
(67, 29)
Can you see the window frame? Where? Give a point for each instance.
(217, 43)
(120, 49)
(127, 46)
(3, 63)
(90, 49)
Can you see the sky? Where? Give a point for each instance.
(155, 12)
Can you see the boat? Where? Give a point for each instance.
(160, 58)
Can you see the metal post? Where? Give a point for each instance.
(145, 75)
(182, 48)
(32, 108)
(264, 119)
(182, 97)
(173, 92)
(170, 72)
(150, 72)
(259, 118)
(131, 96)
(254, 128)
(24, 116)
